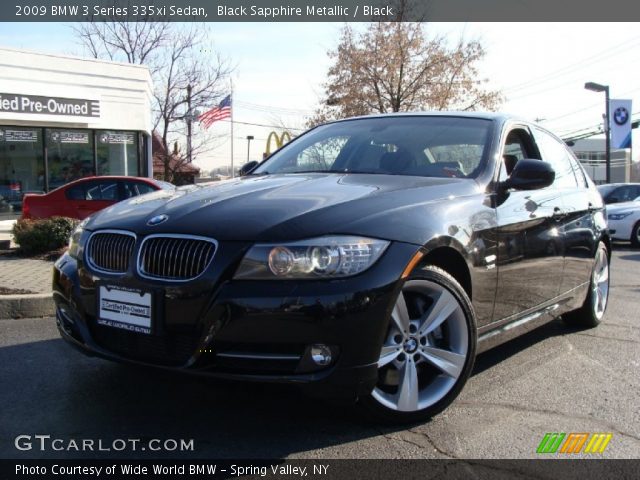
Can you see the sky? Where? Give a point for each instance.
(540, 68)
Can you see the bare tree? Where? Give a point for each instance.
(395, 66)
(178, 57)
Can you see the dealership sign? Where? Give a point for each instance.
(44, 105)
(620, 123)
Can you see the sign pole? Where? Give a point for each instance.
(232, 109)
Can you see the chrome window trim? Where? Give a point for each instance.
(141, 272)
(89, 261)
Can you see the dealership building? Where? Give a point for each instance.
(64, 118)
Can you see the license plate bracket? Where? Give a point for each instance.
(125, 308)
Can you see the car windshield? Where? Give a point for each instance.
(428, 146)
(605, 189)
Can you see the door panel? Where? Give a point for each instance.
(89, 197)
(530, 239)
(577, 219)
(579, 228)
(530, 249)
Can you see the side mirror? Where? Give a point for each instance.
(530, 174)
(247, 167)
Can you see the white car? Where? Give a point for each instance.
(624, 221)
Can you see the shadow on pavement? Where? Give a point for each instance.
(49, 388)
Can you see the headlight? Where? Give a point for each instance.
(324, 257)
(74, 239)
(619, 216)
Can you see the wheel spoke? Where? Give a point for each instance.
(388, 354)
(603, 275)
(400, 314)
(408, 388)
(450, 363)
(442, 309)
(600, 299)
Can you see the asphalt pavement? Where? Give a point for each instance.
(554, 379)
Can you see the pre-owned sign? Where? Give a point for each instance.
(37, 104)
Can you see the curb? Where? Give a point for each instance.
(26, 306)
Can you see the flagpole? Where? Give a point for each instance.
(232, 109)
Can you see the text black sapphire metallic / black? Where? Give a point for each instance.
(369, 259)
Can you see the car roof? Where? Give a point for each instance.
(108, 177)
(100, 177)
(480, 115)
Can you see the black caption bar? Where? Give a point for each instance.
(320, 469)
(317, 10)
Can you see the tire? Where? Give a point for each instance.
(635, 235)
(592, 311)
(428, 352)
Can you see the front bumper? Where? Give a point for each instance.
(246, 330)
(620, 229)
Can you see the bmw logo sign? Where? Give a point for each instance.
(621, 115)
(157, 220)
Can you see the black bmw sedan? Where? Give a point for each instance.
(370, 259)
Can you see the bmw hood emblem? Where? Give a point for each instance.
(158, 219)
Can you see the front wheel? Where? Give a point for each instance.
(429, 349)
(593, 309)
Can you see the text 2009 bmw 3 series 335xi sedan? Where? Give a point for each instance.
(369, 259)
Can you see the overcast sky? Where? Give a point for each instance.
(540, 67)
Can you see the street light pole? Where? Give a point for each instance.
(596, 87)
(608, 136)
(189, 120)
(249, 138)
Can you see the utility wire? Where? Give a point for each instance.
(265, 125)
(605, 54)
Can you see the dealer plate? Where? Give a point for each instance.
(124, 308)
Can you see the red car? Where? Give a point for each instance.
(81, 198)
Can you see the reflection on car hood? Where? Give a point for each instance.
(286, 206)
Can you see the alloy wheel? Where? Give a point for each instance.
(600, 283)
(425, 351)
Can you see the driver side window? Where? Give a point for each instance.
(518, 146)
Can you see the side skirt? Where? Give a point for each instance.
(511, 327)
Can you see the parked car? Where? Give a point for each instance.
(10, 196)
(619, 192)
(81, 198)
(624, 222)
(369, 259)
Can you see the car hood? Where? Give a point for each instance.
(286, 206)
(623, 206)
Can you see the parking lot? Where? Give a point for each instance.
(553, 379)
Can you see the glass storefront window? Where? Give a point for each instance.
(69, 155)
(21, 166)
(117, 153)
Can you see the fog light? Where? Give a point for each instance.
(321, 354)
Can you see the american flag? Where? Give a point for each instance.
(222, 111)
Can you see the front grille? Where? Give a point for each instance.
(175, 257)
(172, 349)
(111, 250)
